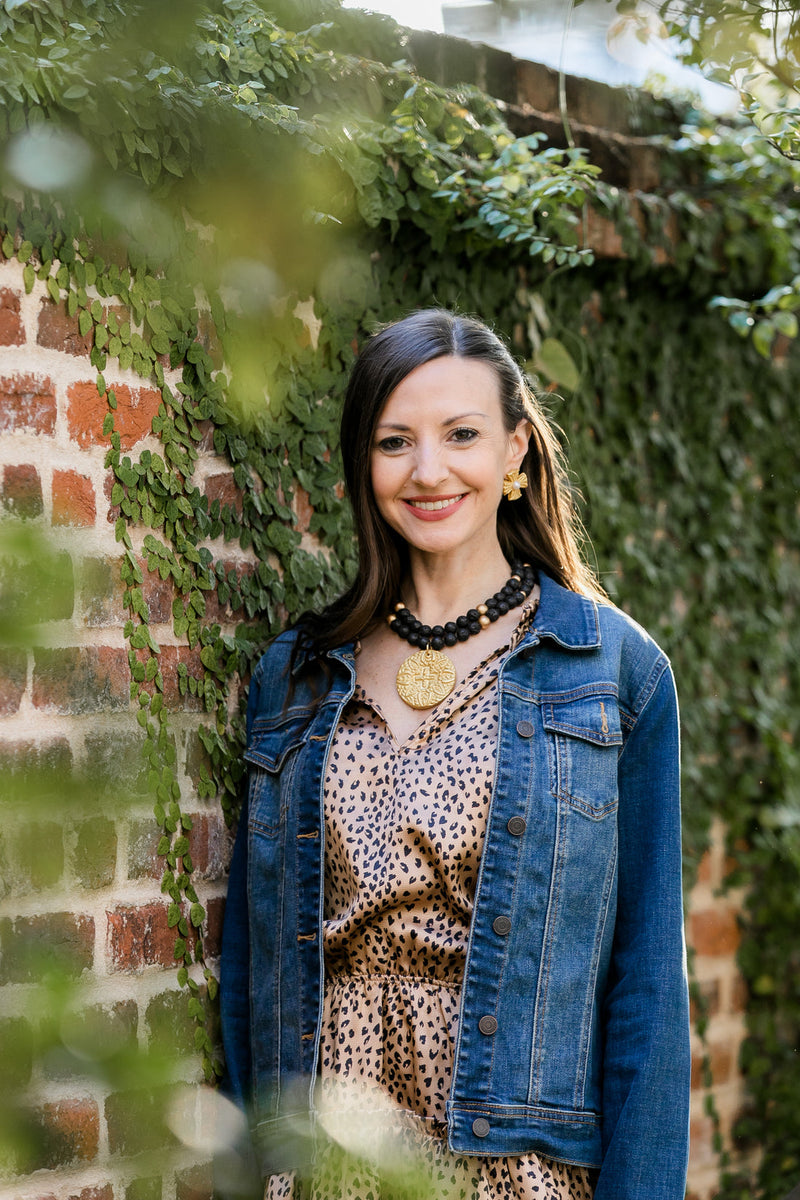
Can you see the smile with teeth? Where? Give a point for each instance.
(435, 505)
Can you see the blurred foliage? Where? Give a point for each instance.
(54, 1025)
(230, 192)
(753, 46)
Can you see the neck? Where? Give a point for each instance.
(438, 590)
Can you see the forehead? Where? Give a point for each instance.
(442, 384)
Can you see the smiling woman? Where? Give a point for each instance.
(458, 871)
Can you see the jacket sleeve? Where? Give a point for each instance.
(647, 1061)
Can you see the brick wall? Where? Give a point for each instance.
(64, 702)
(78, 863)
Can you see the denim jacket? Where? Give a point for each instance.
(589, 1059)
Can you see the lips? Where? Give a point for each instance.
(434, 508)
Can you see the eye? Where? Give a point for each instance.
(391, 445)
(464, 434)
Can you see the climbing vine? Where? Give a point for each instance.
(185, 206)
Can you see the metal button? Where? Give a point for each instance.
(488, 1024)
(524, 729)
(481, 1127)
(517, 826)
(501, 925)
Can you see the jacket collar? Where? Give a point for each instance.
(567, 617)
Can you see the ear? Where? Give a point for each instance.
(518, 445)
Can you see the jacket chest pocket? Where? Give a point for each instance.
(272, 754)
(584, 741)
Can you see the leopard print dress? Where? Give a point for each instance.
(404, 828)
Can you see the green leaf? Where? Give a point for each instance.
(556, 364)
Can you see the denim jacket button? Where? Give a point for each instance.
(517, 826)
(481, 1127)
(488, 1025)
(501, 925)
(525, 729)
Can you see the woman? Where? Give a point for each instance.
(455, 899)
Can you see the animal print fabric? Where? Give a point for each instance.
(404, 828)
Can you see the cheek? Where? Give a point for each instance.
(384, 482)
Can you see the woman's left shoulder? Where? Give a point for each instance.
(639, 661)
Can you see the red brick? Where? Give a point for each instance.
(52, 941)
(12, 332)
(714, 932)
(720, 1058)
(101, 591)
(22, 491)
(73, 499)
(212, 940)
(94, 1193)
(536, 85)
(303, 510)
(222, 487)
(81, 679)
(169, 659)
(704, 869)
(158, 594)
(195, 1183)
(739, 995)
(27, 402)
(140, 937)
(710, 996)
(701, 1140)
(133, 418)
(70, 1132)
(208, 845)
(601, 235)
(13, 679)
(59, 331)
(108, 486)
(136, 1121)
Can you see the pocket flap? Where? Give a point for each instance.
(590, 718)
(270, 743)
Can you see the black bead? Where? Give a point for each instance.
(462, 634)
(461, 623)
(472, 615)
(492, 614)
(426, 631)
(436, 642)
(450, 638)
(475, 627)
(438, 631)
(413, 638)
(450, 627)
(502, 607)
(519, 597)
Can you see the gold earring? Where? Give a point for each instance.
(513, 483)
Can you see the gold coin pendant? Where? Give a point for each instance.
(425, 678)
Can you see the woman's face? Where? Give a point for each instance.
(439, 454)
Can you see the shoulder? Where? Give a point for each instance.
(601, 640)
(640, 662)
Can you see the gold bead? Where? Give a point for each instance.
(391, 618)
(482, 608)
(484, 621)
(399, 607)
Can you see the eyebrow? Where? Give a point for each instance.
(451, 421)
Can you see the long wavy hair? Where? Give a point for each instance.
(540, 528)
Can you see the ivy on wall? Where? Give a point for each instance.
(181, 204)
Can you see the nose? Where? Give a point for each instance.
(430, 465)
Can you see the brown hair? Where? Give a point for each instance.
(541, 528)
